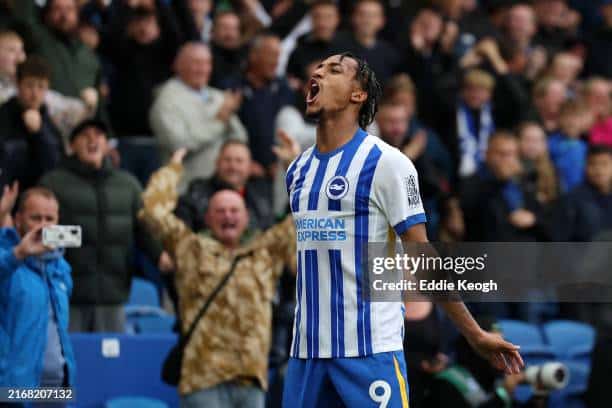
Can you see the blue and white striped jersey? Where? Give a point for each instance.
(340, 201)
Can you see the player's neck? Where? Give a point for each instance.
(333, 133)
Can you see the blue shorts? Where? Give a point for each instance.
(376, 381)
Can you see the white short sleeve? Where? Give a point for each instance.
(396, 191)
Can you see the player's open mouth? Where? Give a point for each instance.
(313, 91)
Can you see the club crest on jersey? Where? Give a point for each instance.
(337, 187)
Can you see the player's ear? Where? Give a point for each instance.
(359, 96)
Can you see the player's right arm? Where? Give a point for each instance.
(397, 195)
(491, 346)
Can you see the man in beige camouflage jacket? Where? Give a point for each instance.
(225, 363)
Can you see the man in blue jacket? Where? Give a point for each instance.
(35, 286)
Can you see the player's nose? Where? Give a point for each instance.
(318, 73)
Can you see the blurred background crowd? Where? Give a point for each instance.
(504, 106)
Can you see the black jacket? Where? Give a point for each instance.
(383, 57)
(138, 69)
(226, 64)
(599, 59)
(193, 204)
(582, 214)
(26, 156)
(105, 203)
(486, 212)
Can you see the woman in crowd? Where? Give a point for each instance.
(538, 168)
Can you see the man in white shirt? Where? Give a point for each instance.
(189, 113)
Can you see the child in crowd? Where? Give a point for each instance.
(30, 144)
(65, 112)
(567, 148)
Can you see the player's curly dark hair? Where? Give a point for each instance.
(367, 79)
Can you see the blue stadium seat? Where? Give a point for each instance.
(521, 333)
(143, 293)
(581, 353)
(537, 354)
(569, 338)
(128, 366)
(153, 324)
(135, 402)
(133, 311)
(143, 303)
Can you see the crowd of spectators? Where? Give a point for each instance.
(504, 106)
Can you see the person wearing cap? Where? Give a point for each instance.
(105, 202)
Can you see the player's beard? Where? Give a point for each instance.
(313, 116)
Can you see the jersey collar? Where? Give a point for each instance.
(356, 140)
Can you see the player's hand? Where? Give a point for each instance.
(288, 149)
(32, 120)
(8, 199)
(178, 156)
(502, 354)
(31, 244)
